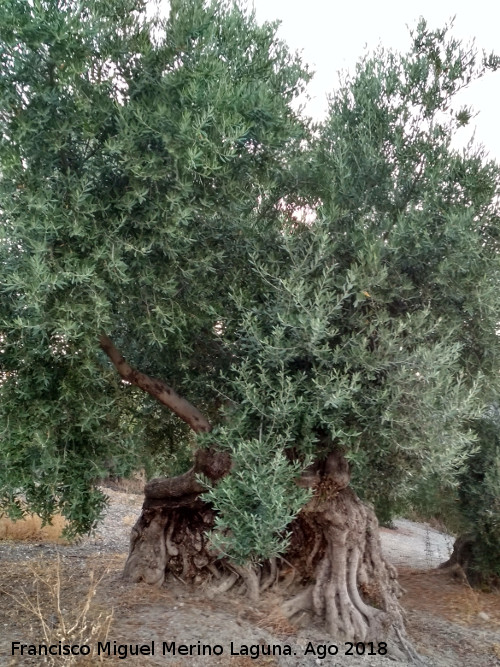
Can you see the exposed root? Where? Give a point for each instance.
(170, 540)
(287, 579)
(408, 649)
(342, 617)
(334, 567)
(172, 550)
(318, 598)
(251, 580)
(312, 554)
(350, 585)
(370, 613)
(270, 580)
(214, 571)
(303, 601)
(224, 586)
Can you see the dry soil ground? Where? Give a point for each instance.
(44, 597)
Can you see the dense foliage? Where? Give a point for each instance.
(377, 334)
(137, 159)
(151, 179)
(416, 223)
(479, 502)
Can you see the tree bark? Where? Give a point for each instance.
(170, 535)
(156, 388)
(461, 563)
(336, 552)
(333, 571)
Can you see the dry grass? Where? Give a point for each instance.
(272, 619)
(439, 593)
(30, 529)
(132, 485)
(50, 612)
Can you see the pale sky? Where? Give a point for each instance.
(333, 35)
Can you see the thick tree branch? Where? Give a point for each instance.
(158, 389)
(208, 462)
(173, 487)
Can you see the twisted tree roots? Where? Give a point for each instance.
(334, 569)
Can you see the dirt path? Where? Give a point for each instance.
(415, 545)
(450, 624)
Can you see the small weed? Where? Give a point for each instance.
(82, 624)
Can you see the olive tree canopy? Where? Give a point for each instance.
(160, 289)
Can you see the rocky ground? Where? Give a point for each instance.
(45, 590)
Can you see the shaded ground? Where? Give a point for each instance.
(450, 624)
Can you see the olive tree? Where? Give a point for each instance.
(138, 157)
(152, 178)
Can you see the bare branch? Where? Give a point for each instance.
(156, 388)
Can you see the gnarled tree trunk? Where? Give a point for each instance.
(170, 535)
(461, 564)
(334, 568)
